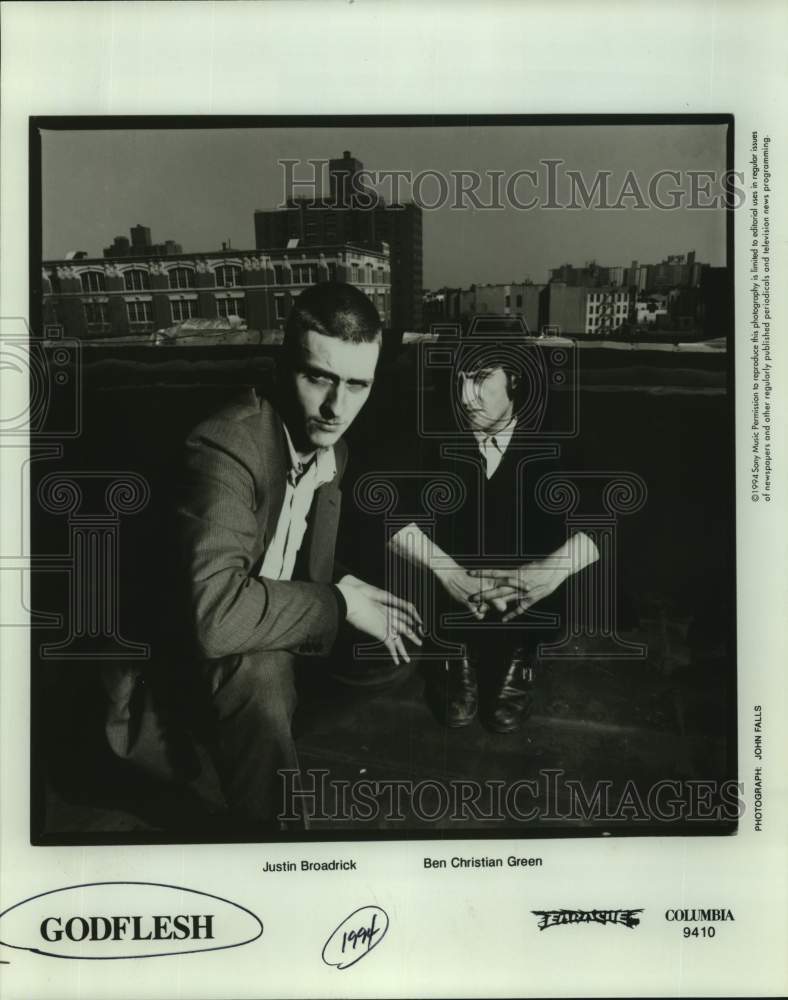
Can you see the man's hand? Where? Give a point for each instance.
(463, 587)
(381, 615)
(519, 588)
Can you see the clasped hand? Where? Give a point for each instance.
(516, 589)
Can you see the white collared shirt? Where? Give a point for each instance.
(493, 446)
(304, 477)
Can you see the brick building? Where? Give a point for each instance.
(354, 214)
(137, 294)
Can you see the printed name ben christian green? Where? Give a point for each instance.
(512, 861)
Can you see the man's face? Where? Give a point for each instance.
(331, 381)
(484, 398)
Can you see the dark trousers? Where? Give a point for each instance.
(253, 699)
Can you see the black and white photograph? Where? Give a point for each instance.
(392, 538)
(399, 496)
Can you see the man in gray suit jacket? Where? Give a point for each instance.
(258, 524)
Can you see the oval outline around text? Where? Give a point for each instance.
(112, 958)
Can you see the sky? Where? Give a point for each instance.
(200, 187)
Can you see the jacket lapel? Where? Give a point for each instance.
(271, 488)
(321, 535)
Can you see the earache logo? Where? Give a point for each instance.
(116, 920)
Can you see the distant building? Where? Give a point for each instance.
(679, 293)
(460, 304)
(354, 214)
(133, 294)
(566, 307)
(596, 311)
(636, 276)
(140, 245)
(591, 274)
(676, 271)
(651, 310)
(607, 310)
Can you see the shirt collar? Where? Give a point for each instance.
(322, 459)
(499, 439)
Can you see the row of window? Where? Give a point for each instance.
(228, 276)
(142, 312)
(620, 307)
(138, 280)
(602, 296)
(601, 321)
(96, 313)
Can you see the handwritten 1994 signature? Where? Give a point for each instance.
(356, 936)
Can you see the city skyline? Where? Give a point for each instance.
(201, 187)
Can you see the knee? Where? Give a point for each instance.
(256, 687)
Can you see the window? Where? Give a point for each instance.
(354, 274)
(136, 280)
(183, 309)
(279, 306)
(95, 313)
(182, 277)
(507, 301)
(230, 307)
(519, 301)
(93, 281)
(332, 271)
(139, 312)
(228, 276)
(304, 274)
(280, 275)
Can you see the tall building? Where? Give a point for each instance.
(140, 245)
(598, 310)
(589, 275)
(353, 213)
(676, 271)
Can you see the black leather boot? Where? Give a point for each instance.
(512, 700)
(453, 693)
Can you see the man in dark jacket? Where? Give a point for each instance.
(499, 562)
(258, 524)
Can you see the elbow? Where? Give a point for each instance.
(590, 549)
(210, 643)
(220, 620)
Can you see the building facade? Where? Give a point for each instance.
(524, 299)
(607, 309)
(354, 214)
(136, 294)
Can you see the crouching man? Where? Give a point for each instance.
(258, 524)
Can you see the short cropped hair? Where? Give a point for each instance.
(333, 309)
